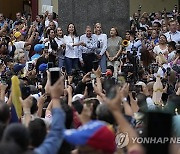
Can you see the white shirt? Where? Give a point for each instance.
(60, 41)
(91, 45)
(136, 44)
(102, 39)
(158, 50)
(71, 52)
(19, 45)
(171, 56)
(47, 23)
(173, 36)
(157, 20)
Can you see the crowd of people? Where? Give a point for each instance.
(64, 93)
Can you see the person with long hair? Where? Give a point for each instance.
(72, 48)
(162, 47)
(114, 49)
(101, 45)
(52, 45)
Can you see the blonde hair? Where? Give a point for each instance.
(161, 59)
(18, 57)
(18, 51)
(97, 24)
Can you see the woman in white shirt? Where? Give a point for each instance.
(162, 47)
(61, 46)
(101, 46)
(72, 48)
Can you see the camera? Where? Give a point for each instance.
(153, 68)
(134, 50)
(77, 76)
(127, 68)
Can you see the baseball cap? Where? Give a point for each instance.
(97, 134)
(38, 47)
(77, 97)
(43, 67)
(18, 67)
(17, 34)
(140, 83)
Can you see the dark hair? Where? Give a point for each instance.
(34, 106)
(4, 112)
(17, 133)
(74, 33)
(40, 16)
(69, 114)
(111, 68)
(48, 31)
(141, 101)
(10, 148)
(172, 44)
(37, 131)
(103, 113)
(164, 36)
(159, 25)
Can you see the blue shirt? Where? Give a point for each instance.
(54, 139)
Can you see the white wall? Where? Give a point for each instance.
(54, 3)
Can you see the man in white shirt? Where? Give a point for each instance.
(19, 44)
(173, 34)
(87, 50)
(158, 18)
(50, 18)
(171, 50)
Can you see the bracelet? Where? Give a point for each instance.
(27, 112)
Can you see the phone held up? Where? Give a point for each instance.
(55, 74)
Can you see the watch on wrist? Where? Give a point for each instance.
(124, 99)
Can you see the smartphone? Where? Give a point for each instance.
(109, 85)
(3, 79)
(25, 92)
(159, 126)
(46, 47)
(78, 106)
(30, 66)
(93, 76)
(54, 74)
(50, 65)
(95, 65)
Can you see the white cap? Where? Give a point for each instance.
(77, 97)
(140, 83)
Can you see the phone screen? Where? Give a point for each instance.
(25, 92)
(95, 65)
(54, 74)
(159, 126)
(30, 66)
